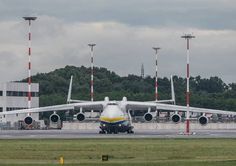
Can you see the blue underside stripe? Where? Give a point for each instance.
(113, 123)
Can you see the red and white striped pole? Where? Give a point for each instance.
(91, 83)
(188, 37)
(156, 82)
(29, 19)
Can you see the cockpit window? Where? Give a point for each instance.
(112, 104)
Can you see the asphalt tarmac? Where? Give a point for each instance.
(77, 134)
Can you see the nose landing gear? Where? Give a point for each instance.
(102, 132)
(130, 132)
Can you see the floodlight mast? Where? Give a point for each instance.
(29, 19)
(156, 82)
(92, 45)
(187, 37)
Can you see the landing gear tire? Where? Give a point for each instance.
(109, 132)
(130, 132)
(115, 132)
(102, 132)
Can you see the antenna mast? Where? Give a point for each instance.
(187, 37)
(92, 45)
(29, 19)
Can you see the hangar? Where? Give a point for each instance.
(14, 96)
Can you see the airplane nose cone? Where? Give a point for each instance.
(112, 115)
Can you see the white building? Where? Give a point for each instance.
(14, 96)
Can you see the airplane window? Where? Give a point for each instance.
(112, 104)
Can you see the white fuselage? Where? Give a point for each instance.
(112, 113)
(114, 119)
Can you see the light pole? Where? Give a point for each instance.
(187, 37)
(156, 82)
(29, 19)
(92, 45)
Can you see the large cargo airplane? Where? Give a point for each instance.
(115, 116)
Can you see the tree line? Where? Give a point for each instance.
(205, 92)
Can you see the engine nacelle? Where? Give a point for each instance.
(28, 120)
(124, 99)
(106, 99)
(54, 118)
(203, 120)
(80, 117)
(176, 118)
(148, 117)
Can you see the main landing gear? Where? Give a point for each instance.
(102, 132)
(114, 132)
(108, 132)
(130, 132)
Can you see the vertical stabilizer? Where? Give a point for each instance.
(172, 90)
(70, 89)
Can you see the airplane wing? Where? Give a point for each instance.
(143, 105)
(63, 107)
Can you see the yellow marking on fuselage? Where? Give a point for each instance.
(112, 120)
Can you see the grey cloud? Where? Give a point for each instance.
(124, 33)
(121, 48)
(207, 14)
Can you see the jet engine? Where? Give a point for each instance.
(80, 117)
(176, 118)
(54, 118)
(28, 120)
(148, 117)
(203, 120)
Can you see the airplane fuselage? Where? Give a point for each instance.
(114, 120)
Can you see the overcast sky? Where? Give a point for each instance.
(125, 32)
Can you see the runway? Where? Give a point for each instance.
(82, 134)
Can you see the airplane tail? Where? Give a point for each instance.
(172, 100)
(70, 89)
(172, 90)
(69, 100)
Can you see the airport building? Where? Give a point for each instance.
(14, 96)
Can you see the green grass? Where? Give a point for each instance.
(122, 152)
